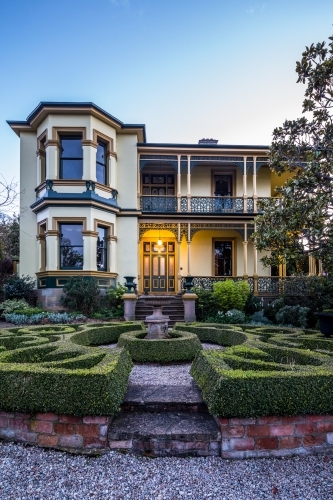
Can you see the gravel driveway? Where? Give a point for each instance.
(28, 473)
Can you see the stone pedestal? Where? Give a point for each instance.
(157, 323)
(129, 306)
(189, 307)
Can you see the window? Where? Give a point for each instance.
(101, 163)
(102, 248)
(223, 258)
(71, 246)
(71, 157)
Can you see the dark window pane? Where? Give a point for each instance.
(223, 258)
(100, 173)
(71, 147)
(71, 169)
(71, 234)
(101, 153)
(102, 249)
(71, 257)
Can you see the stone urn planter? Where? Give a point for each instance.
(326, 323)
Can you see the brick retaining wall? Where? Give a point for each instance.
(64, 432)
(241, 437)
(276, 436)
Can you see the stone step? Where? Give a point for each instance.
(164, 398)
(164, 434)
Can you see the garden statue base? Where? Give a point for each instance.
(157, 323)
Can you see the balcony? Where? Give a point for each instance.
(197, 204)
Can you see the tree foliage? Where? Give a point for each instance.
(299, 221)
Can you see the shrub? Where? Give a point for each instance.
(115, 296)
(229, 294)
(42, 370)
(253, 304)
(17, 287)
(183, 346)
(11, 305)
(259, 317)
(205, 304)
(273, 372)
(217, 334)
(293, 315)
(81, 294)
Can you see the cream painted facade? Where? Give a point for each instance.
(197, 200)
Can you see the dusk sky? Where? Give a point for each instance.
(188, 69)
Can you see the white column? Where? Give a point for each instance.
(90, 250)
(189, 183)
(138, 181)
(179, 241)
(179, 193)
(245, 186)
(112, 171)
(245, 251)
(255, 197)
(52, 250)
(188, 249)
(89, 163)
(112, 254)
(39, 168)
(52, 159)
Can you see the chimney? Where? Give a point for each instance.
(208, 142)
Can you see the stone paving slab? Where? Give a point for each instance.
(145, 394)
(182, 425)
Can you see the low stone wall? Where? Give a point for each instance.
(276, 436)
(63, 432)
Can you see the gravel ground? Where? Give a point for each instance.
(28, 473)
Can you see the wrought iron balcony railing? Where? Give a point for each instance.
(196, 204)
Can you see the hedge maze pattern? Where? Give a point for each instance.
(52, 369)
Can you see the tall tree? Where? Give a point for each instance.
(299, 221)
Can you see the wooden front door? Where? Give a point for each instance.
(159, 267)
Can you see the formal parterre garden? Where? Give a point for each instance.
(258, 371)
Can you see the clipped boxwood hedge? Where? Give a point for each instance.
(183, 346)
(226, 335)
(271, 373)
(52, 369)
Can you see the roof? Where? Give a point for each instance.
(47, 107)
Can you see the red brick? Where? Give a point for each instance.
(90, 419)
(293, 420)
(314, 440)
(88, 430)
(258, 430)
(223, 421)
(46, 416)
(328, 418)
(242, 421)
(3, 422)
(70, 419)
(325, 426)
(315, 418)
(269, 420)
(91, 442)
(303, 429)
(71, 441)
(5, 414)
(268, 443)
(282, 430)
(241, 444)
(26, 437)
(233, 431)
(290, 442)
(42, 426)
(19, 414)
(64, 428)
(47, 440)
(19, 423)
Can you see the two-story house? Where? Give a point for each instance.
(98, 200)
